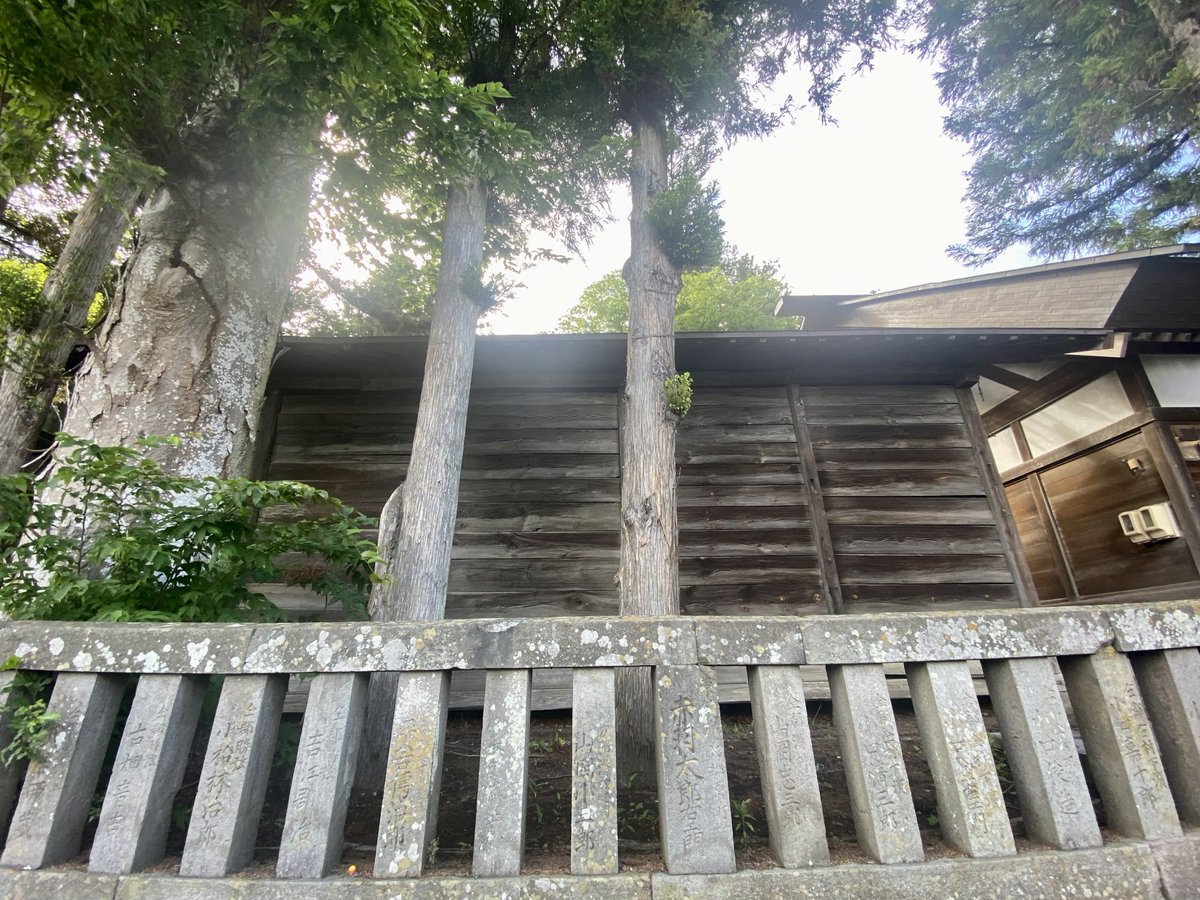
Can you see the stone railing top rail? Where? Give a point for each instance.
(585, 642)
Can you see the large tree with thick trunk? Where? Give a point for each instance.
(187, 343)
(224, 104)
(682, 75)
(520, 167)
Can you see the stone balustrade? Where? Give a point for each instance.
(1131, 673)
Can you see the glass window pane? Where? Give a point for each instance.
(1175, 379)
(1076, 415)
(1034, 370)
(1004, 449)
(988, 393)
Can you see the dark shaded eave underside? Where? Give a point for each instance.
(861, 356)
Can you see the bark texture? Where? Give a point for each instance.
(188, 344)
(1183, 31)
(419, 566)
(36, 359)
(649, 572)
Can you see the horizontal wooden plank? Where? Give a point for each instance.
(901, 483)
(542, 440)
(320, 403)
(700, 435)
(736, 453)
(488, 575)
(702, 495)
(881, 598)
(735, 412)
(543, 490)
(786, 597)
(884, 414)
(709, 397)
(539, 604)
(518, 399)
(749, 543)
(737, 518)
(538, 545)
(533, 514)
(965, 569)
(908, 511)
(763, 475)
(918, 540)
(383, 469)
(871, 436)
(541, 465)
(335, 420)
(747, 570)
(792, 605)
(877, 393)
(378, 449)
(952, 459)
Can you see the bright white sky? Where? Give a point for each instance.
(868, 204)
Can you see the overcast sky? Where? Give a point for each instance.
(868, 204)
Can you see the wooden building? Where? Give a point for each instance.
(1082, 441)
(818, 472)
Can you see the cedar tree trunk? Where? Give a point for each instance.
(188, 344)
(418, 559)
(649, 573)
(37, 357)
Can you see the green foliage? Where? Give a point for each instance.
(1081, 118)
(110, 536)
(738, 295)
(679, 393)
(743, 820)
(20, 294)
(25, 710)
(686, 218)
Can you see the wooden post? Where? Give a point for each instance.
(1010, 541)
(830, 582)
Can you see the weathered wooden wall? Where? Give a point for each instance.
(538, 505)
(745, 536)
(537, 533)
(910, 522)
(896, 490)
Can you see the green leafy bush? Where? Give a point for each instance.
(110, 536)
(23, 705)
(679, 393)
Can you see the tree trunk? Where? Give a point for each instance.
(420, 569)
(1182, 31)
(649, 572)
(36, 358)
(187, 347)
